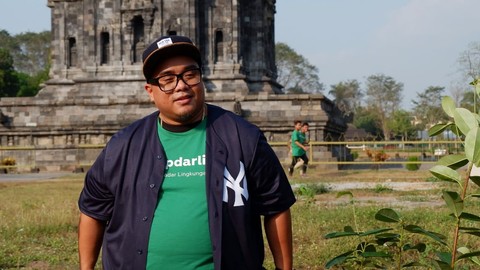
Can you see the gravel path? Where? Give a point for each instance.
(24, 177)
(400, 186)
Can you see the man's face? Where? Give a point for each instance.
(185, 103)
(304, 129)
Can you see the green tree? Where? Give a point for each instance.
(368, 120)
(27, 64)
(347, 96)
(428, 107)
(294, 71)
(32, 55)
(383, 96)
(7, 42)
(8, 78)
(30, 85)
(401, 125)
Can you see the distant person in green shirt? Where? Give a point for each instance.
(299, 147)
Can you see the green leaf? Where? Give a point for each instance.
(467, 229)
(477, 117)
(472, 145)
(474, 233)
(376, 231)
(453, 161)
(443, 265)
(463, 250)
(468, 255)
(387, 215)
(456, 131)
(454, 202)
(469, 216)
(338, 260)
(445, 173)
(339, 234)
(448, 105)
(445, 260)
(348, 229)
(444, 256)
(387, 238)
(435, 236)
(464, 119)
(437, 129)
(475, 179)
(366, 247)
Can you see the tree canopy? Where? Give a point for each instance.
(8, 76)
(428, 107)
(347, 96)
(383, 95)
(24, 63)
(294, 71)
(400, 125)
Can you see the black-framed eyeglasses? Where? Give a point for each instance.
(168, 83)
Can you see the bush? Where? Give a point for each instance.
(8, 161)
(311, 190)
(412, 166)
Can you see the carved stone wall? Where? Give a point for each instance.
(96, 84)
(103, 40)
(63, 130)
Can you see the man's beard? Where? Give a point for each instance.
(188, 117)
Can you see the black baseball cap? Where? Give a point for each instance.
(165, 47)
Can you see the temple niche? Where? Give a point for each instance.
(96, 84)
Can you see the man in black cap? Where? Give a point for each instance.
(185, 187)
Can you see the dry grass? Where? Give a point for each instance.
(38, 224)
(39, 219)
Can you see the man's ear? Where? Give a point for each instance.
(149, 89)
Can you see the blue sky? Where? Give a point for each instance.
(417, 42)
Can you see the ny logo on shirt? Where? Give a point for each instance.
(235, 184)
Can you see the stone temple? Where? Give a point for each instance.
(96, 84)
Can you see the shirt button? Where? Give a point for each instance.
(139, 251)
(145, 218)
(152, 185)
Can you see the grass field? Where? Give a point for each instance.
(38, 220)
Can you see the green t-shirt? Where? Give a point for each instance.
(300, 137)
(180, 237)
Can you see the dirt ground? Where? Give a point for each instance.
(389, 187)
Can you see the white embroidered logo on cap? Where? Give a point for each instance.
(164, 42)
